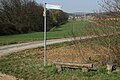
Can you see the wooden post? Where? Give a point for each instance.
(109, 67)
(85, 69)
(59, 68)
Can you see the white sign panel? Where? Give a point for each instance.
(49, 6)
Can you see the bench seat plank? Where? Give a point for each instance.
(89, 65)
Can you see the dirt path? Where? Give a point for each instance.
(4, 50)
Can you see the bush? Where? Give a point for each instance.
(27, 16)
(7, 29)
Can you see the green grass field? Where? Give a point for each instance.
(78, 27)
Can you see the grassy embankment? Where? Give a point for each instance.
(61, 32)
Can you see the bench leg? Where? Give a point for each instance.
(109, 68)
(84, 69)
(59, 68)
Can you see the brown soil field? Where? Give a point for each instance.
(87, 54)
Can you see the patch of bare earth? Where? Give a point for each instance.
(6, 77)
(84, 54)
(73, 54)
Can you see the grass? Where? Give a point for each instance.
(62, 31)
(30, 67)
(28, 64)
(79, 28)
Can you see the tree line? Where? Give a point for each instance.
(24, 16)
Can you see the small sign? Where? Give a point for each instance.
(49, 6)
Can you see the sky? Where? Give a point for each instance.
(72, 6)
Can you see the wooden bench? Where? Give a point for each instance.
(61, 65)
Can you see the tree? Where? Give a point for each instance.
(105, 30)
(24, 15)
(108, 23)
(56, 18)
(27, 16)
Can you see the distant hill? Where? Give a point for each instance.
(81, 14)
(78, 13)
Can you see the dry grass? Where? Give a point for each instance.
(72, 54)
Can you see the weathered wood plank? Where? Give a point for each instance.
(89, 65)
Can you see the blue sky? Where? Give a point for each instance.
(75, 5)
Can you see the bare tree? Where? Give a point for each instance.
(106, 28)
(108, 23)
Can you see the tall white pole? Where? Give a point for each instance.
(44, 34)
